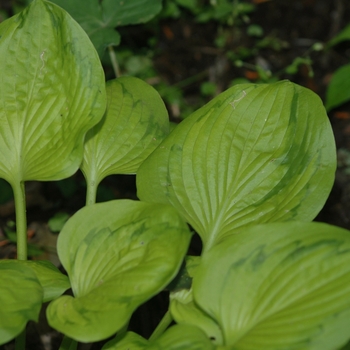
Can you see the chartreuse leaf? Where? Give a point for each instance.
(99, 18)
(52, 92)
(254, 154)
(338, 91)
(185, 311)
(21, 297)
(117, 255)
(53, 282)
(178, 337)
(135, 122)
(278, 286)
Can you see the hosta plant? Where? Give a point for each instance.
(248, 172)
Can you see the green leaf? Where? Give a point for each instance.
(52, 92)
(21, 298)
(338, 91)
(135, 123)
(178, 337)
(182, 307)
(343, 35)
(53, 282)
(279, 286)
(185, 311)
(254, 154)
(131, 340)
(182, 337)
(117, 255)
(99, 18)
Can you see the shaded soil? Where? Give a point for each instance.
(186, 56)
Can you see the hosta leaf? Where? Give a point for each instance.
(53, 282)
(99, 18)
(254, 154)
(185, 311)
(338, 91)
(135, 122)
(21, 297)
(117, 255)
(282, 286)
(130, 340)
(52, 92)
(178, 337)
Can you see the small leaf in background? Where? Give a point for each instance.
(52, 93)
(21, 297)
(338, 91)
(343, 35)
(279, 286)
(254, 154)
(135, 123)
(99, 18)
(57, 221)
(117, 254)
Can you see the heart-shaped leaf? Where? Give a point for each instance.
(279, 286)
(99, 18)
(52, 92)
(134, 124)
(178, 337)
(117, 254)
(254, 154)
(21, 297)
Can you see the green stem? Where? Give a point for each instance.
(162, 326)
(91, 191)
(20, 343)
(114, 61)
(68, 344)
(21, 220)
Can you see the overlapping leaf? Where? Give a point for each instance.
(117, 254)
(178, 337)
(53, 282)
(51, 93)
(21, 297)
(279, 286)
(254, 154)
(99, 18)
(135, 122)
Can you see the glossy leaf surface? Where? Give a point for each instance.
(51, 93)
(21, 297)
(99, 18)
(117, 254)
(279, 286)
(254, 154)
(135, 122)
